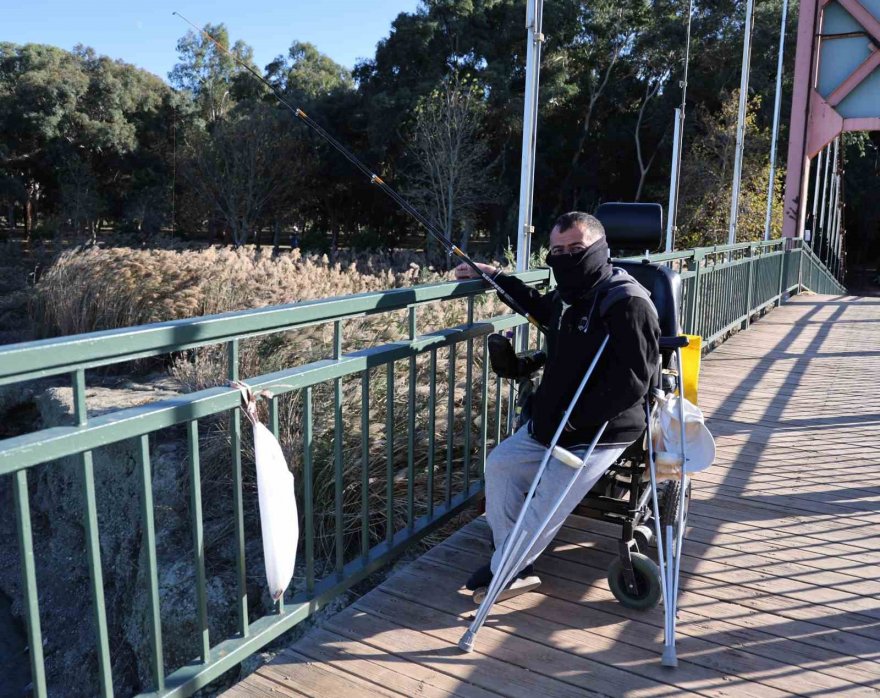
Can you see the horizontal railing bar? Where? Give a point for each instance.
(57, 442)
(662, 257)
(49, 357)
(195, 675)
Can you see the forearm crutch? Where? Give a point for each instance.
(514, 552)
(669, 547)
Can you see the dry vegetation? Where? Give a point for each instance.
(107, 288)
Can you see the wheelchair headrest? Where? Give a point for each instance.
(665, 288)
(635, 226)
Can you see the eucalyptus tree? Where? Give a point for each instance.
(208, 73)
(70, 120)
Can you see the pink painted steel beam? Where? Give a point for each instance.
(798, 172)
(814, 121)
(861, 15)
(854, 79)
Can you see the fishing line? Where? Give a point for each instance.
(450, 247)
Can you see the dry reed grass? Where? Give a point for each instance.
(106, 288)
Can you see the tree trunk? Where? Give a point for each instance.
(276, 237)
(466, 235)
(585, 131)
(29, 211)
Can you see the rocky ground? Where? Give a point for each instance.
(60, 553)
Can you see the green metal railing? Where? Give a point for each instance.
(723, 289)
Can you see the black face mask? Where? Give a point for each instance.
(577, 274)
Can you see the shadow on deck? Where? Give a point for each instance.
(780, 580)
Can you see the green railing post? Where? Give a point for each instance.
(29, 583)
(484, 409)
(432, 428)
(800, 279)
(782, 258)
(237, 494)
(93, 543)
(195, 484)
(338, 474)
(468, 399)
(389, 453)
(450, 423)
(365, 464)
(143, 457)
(411, 429)
(749, 288)
(309, 489)
(697, 260)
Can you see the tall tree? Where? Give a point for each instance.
(241, 167)
(452, 171)
(209, 73)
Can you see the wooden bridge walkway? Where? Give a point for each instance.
(781, 581)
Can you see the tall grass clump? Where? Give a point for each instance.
(106, 288)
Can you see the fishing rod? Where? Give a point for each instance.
(448, 245)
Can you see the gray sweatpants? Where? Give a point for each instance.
(510, 469)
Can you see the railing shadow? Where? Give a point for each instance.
(795, 613)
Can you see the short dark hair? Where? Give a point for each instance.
(578, 219)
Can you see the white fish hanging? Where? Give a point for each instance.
(279, 521)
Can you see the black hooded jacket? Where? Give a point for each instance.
(615, 304)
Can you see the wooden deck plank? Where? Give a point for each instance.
(780, 577)
(258, 686)
(712, 643)
(436, 649)
(384, 668)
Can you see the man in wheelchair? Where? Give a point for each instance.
(591, 300)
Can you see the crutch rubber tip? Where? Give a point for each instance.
(466, 644)
(669, 659)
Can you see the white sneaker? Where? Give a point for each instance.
(523, 583)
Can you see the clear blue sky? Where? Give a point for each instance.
(145, 33)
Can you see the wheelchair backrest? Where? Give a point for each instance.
(664, 285)
(639, 227)
(635, 227)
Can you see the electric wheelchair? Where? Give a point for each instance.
(623, 494)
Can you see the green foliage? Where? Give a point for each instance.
(79, 127)
(87, 138)
(707, 171)
(209, 73)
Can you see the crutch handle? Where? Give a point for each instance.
(567, 457)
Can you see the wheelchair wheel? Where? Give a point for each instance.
(648, 590)
(669, 501)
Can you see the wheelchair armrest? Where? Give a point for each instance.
(673, 342)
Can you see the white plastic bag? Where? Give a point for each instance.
(279, 521)
(699, 444)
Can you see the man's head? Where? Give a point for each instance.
(574, 232)
(578, 255)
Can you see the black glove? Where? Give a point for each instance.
(502, 356)
(508, 364)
